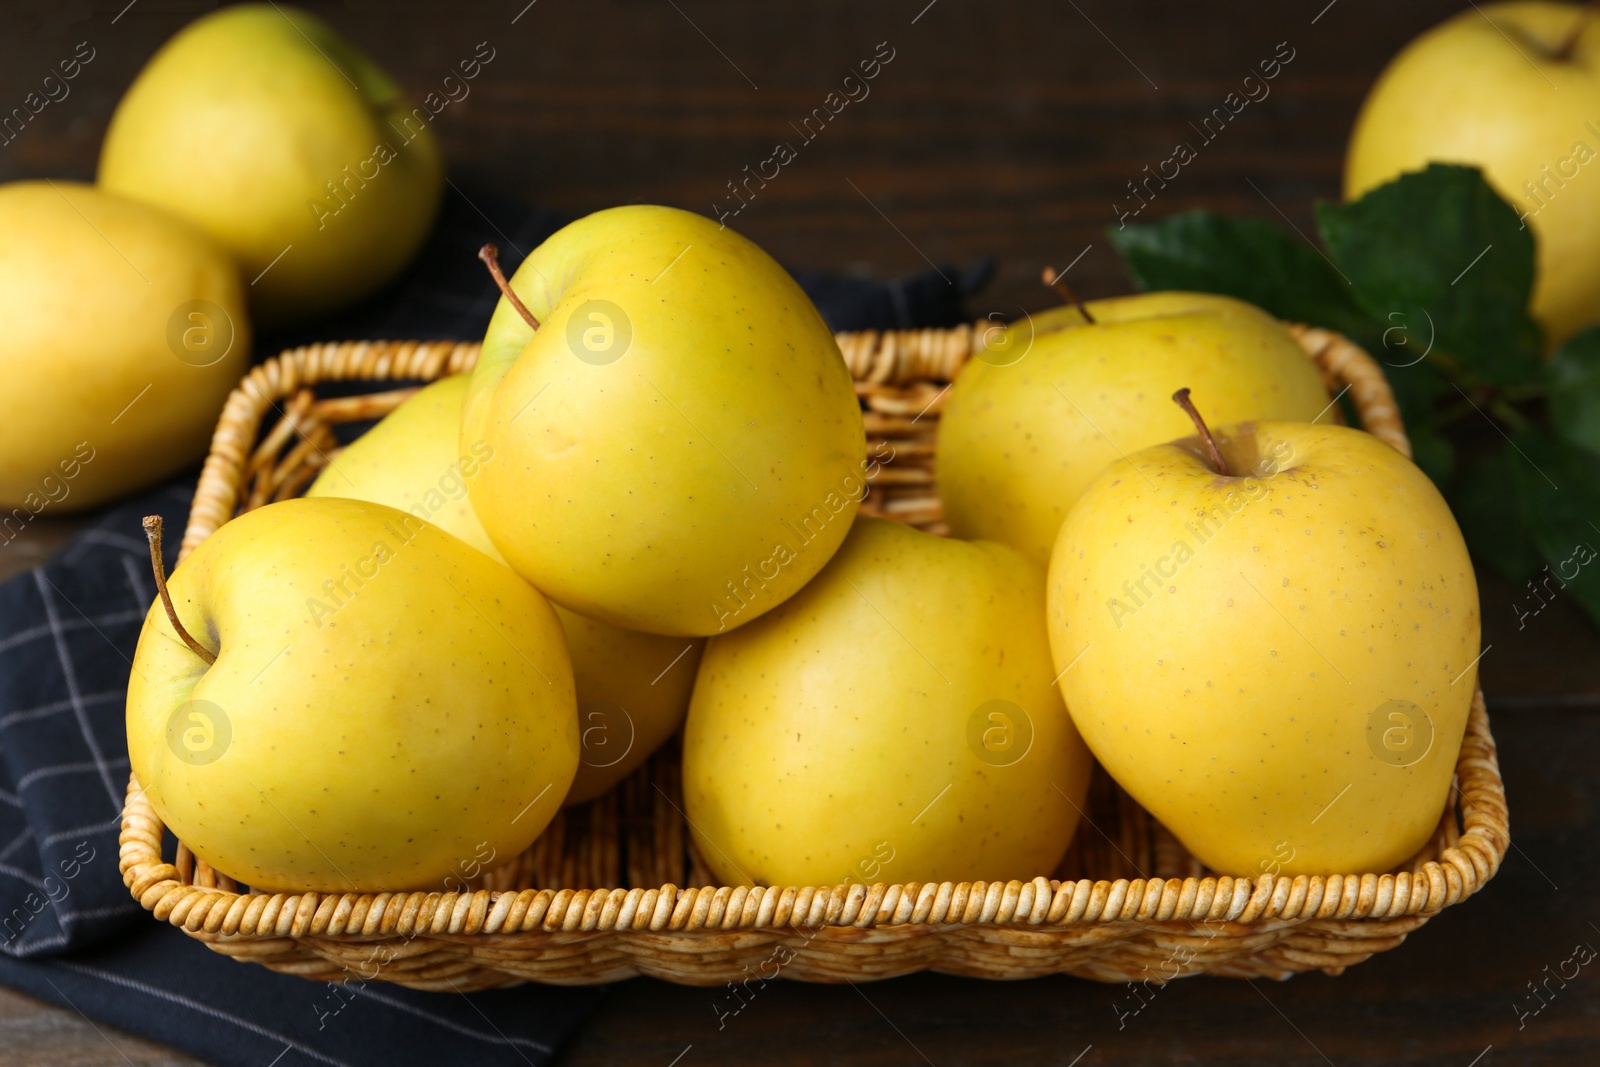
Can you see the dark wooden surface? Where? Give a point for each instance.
(998, 129)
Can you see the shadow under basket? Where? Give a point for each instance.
(597, 897)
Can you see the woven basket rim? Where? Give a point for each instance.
(1438, 877)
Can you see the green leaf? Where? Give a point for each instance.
(1433, 452)
(1417, 388)
(1249, 259)
(1494, 514)
(1532, 511)
(1574, 376)
(1441, 255)
(1566, 521)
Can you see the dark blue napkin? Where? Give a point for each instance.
(69, 931)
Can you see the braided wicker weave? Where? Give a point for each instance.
(1127, 904)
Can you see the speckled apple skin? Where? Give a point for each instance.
(651, 487)
(1232, 696)
(1019, 442)
(425, 723)
(409, 461)
(833, 738)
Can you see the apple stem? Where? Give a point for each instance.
(152, 531)
(1564, 49)
(491, 258)
(1059, 284)
(1181, 398)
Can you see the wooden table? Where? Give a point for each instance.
(1006, 130)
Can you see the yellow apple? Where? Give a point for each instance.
(1490, 88)
(679, 445)
(1048, 402)
(122, 329)
(409, 461)
(633, 694)
(1277, 663)
(386, 707)
(633, 688)
(266, 128)
(895, 720)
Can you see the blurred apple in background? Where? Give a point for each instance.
(122, 329)
(266, 128)
(1515, 90)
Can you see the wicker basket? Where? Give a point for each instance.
(597, 897)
